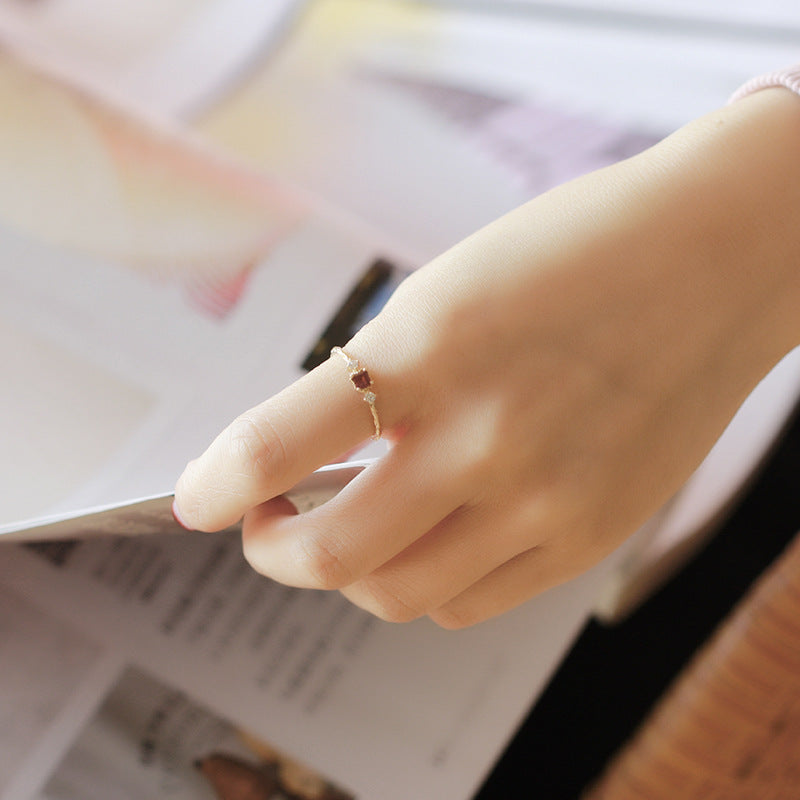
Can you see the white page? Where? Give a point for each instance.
(187, 289)
(385, 711)
(164, 350)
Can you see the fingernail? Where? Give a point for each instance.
(178, 518)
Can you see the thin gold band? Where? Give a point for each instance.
(361, 380)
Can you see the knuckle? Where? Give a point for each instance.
(259, 443)
(389, 602)
(322, 560)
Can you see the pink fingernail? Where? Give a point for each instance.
(178, 518)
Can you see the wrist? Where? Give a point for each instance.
(739, 169)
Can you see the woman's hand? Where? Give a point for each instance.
(547, 384)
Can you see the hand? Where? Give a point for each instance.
(547, 384)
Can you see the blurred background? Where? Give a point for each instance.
(395, 109)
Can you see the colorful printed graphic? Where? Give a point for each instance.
(88, 175)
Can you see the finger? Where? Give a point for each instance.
(460, 551)
(391, 504)
(526, 575)
(271, 447)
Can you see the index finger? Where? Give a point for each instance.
(269, 448)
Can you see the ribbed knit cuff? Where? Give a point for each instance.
(788, 78)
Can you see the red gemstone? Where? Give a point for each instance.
(361, 379)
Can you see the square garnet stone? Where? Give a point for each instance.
(361, 379)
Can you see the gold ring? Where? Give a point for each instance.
(361, 380)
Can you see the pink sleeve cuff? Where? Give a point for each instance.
(788, 78)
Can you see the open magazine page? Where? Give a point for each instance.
(119, 379)
(181, 664)
(151, 290)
